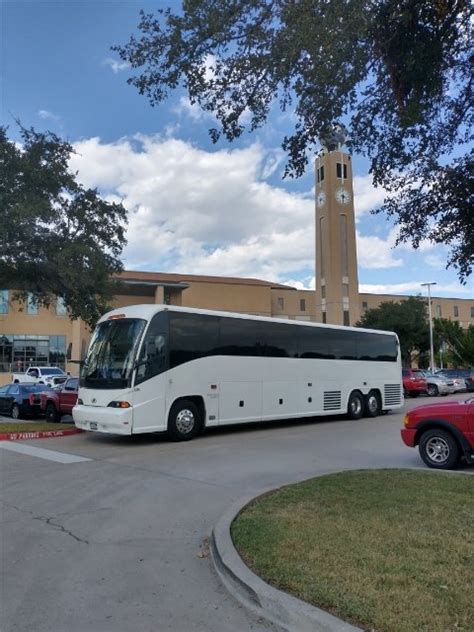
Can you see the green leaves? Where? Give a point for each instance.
(56, 237)
(399, 72)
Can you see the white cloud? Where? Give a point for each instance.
(201, 212)
(436, 261)
(192, 110)
(374, 252)
(47, 115)
(366, 196)
(211, 212)
(116, 65)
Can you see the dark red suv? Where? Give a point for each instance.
(444, 433)
(413, 384)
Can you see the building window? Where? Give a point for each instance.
(438, 311)
(61, 309)
(345, 289)
(3, 302)
(321, 174)
(472, 312)
(323, 291)
(456, 311)
(6, 350)
(31, 304)
(341, 170)
(365, 306)
(324, 317)
(346, 320)
(281, 303)
(302, 304)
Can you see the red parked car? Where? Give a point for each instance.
(60, 401)
(444, 433)
(413, 383)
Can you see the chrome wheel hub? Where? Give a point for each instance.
(185, 421)
(437, 450)
(356, 406)
(373, 404)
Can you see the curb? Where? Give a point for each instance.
(40, 434)
(290, 613)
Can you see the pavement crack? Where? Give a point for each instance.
(60, 527)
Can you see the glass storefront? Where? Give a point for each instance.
(18, 352)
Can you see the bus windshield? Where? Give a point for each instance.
(111, 354)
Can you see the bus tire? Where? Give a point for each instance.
(184, 421)
(355, 406)
(373, 405)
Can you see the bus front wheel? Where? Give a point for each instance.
(184, 420)
(355, 406)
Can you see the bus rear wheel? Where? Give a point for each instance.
(184, 421)
(373, 405)
(355, 406)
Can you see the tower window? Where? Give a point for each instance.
(341, 170)
(343, 237)
(347, 320)
(321, 174)
(324, 317)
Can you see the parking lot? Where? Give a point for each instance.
(113, 536)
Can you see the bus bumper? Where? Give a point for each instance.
(103, 419)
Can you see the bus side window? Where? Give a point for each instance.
(153, 358)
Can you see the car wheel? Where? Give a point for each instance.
(432, 390)
(439, 449)
(373, 405)
(355, 406)
(51, 413)
(184, 421)
(15, 411)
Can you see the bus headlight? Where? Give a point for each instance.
(117, 404)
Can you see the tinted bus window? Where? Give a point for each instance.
(153, 358)
(241, 337)
(192, 336)
(281, 341)
(312, 342)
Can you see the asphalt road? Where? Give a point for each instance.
(118, 542)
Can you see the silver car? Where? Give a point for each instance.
(436, 384)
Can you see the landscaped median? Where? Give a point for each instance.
(15, 431)
(389, 550)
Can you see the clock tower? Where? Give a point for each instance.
(337, 286)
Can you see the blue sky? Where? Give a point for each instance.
(193, 206)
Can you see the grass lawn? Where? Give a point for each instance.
(31, 426)
(388, 550)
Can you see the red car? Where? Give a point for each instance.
(60, 401)
(444, 433)
(413, 384)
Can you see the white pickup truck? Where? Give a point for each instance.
(51, 375)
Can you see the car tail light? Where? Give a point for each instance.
(119, 405)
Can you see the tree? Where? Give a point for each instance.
(57, 239)
(408, 319)
(399, 71)
(459, 341)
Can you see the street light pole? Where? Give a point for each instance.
(428, 285)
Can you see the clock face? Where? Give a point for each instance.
(321, 199)
(343, 196)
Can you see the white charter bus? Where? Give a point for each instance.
(153, 368)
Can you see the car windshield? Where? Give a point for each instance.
(111, 354)
(34, 388)
(52, 372)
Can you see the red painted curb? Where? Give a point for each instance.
(41, 434)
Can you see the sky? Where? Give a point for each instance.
(194, 207)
